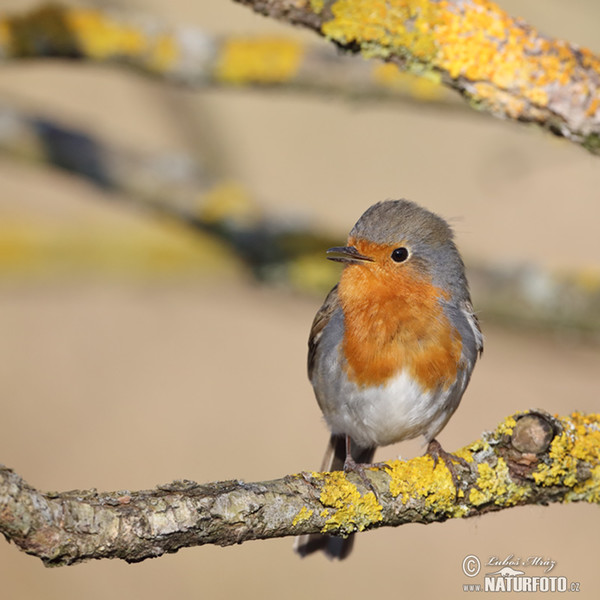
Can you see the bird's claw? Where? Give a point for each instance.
(435, 450)
(351, 466)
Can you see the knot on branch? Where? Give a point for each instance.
(531, 438)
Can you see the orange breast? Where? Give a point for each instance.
(395, 322)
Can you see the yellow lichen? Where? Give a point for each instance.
(593, 107)
(468, 451)
(311, 273)
(228, 201)
(317, 6)
(95, 34)
(506, 427)
(43, 248)
(475, 40)
(100, 37)
(352, 511)
(5, 35)
(495, 485)
(588, 490)
(262, 60)
(577, 446)
(163, 54)
(588, 279)
(418, 479)
(303, 515)
(383, 26)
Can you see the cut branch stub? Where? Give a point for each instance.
(533, 433)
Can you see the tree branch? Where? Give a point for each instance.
(500, 64)
(531, 458)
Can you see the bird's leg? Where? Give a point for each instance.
(349, 463)
(435, 450)
(351, 466)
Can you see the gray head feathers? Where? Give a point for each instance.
(395, 221)
(428, 238)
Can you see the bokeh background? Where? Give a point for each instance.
(123, 373)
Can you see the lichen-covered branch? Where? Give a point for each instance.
(531, 458)
(193, 57)
(500, 63)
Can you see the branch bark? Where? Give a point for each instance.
(530, 458)
(500, 64)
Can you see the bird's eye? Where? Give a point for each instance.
(400, 255)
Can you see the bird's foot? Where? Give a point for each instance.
(360, 469)
(435, 450)
(382, 466)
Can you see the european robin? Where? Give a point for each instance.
(392, 349)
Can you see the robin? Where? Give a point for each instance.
(392, 349)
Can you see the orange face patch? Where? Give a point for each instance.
(394, 321)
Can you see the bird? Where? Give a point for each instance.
(393, 346)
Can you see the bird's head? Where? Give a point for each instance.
(397, 242)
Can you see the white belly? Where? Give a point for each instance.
(378, 416)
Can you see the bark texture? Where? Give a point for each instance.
(530, 458)
(501, 64)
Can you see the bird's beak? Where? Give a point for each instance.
(347, 254)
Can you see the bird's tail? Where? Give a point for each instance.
(334, 547)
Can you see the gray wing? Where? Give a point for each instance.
(331, 304)
(473, 321)
(472, 346)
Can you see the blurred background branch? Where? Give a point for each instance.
(195, 58)
(227, 222)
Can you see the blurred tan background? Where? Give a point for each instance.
(128, 382)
